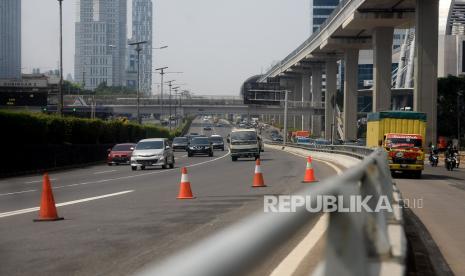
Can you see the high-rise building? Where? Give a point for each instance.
(10, 39)
(319, 11)
(451, 50)
(142, 14)
(100, 42)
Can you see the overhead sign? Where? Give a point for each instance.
(23, 99)
(24, 83)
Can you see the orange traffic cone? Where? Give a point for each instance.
(48, 210)
(258, 177)
(185, 191)
(309, 173)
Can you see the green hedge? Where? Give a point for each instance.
(36, 128)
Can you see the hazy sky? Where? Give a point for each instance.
(216, 43)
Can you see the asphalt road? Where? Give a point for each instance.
(117, 220)
(438, 199)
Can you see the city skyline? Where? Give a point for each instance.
(216, 51)
(10, 47)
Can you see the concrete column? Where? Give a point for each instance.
(382, 68)
(425, 91)
(330, 97)
(306, 94)
(316, 98)
(350, 93)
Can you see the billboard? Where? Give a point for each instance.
(23, 99)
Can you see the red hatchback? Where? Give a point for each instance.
(120, 154)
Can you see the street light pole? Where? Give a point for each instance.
(285, 118)
(138, 49)
(162, 72)
(459, 94)
(60, 85)
(170, 85)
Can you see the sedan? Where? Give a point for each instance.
(120, 154)
(200, 145)
(180, 143)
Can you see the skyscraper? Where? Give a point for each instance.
(100, 42)
(142, 11)
(319, 11)
(10, 39)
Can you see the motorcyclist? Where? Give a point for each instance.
(433, 151)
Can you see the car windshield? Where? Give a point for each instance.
(180, 140)
(216, 139)
(244, 136)
(200, 141)
(149, 145)
(126, 147)
(403, 142)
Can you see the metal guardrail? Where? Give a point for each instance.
(359, 243)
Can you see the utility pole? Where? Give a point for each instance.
(60, 85)
(459, 94)
(170, 84)
(285, 118)
(162, 72)
(138, 49)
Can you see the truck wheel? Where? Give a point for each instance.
(142, 167)
(189, 154)
(234, 158)
(134, 168)
(417, 174)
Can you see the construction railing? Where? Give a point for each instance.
(357, 243)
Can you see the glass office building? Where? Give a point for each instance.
(319, 12)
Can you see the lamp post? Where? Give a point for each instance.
(175, 104)
(60, 85)
(170, 84)
(459, 114)
(138, 49)
(162, 72)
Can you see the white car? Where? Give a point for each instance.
(152, 152)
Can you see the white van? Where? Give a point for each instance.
(244, 143)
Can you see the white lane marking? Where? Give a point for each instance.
(291, 263)
(104, 171)
(20, 192)
(34, 209)
(338, 171)
(38, 181)
(142, 174)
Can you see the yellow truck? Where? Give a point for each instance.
(401, 134)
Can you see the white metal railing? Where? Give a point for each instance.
(357, 243)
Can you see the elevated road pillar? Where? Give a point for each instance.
(350, 93)
(382, 68)
(316, 98)
(426, 60)
(330, 96)
(306, 94)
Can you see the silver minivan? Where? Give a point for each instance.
(152, 152)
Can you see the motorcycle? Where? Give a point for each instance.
(457, 159)
(450, 162)
(434, 159)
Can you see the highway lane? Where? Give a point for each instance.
(441, 195)
(119, 234)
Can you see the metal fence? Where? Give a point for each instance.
(357, 243)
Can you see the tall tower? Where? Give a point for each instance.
(319, 11)
(142, 18)
(10, 39)
(100, 42)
